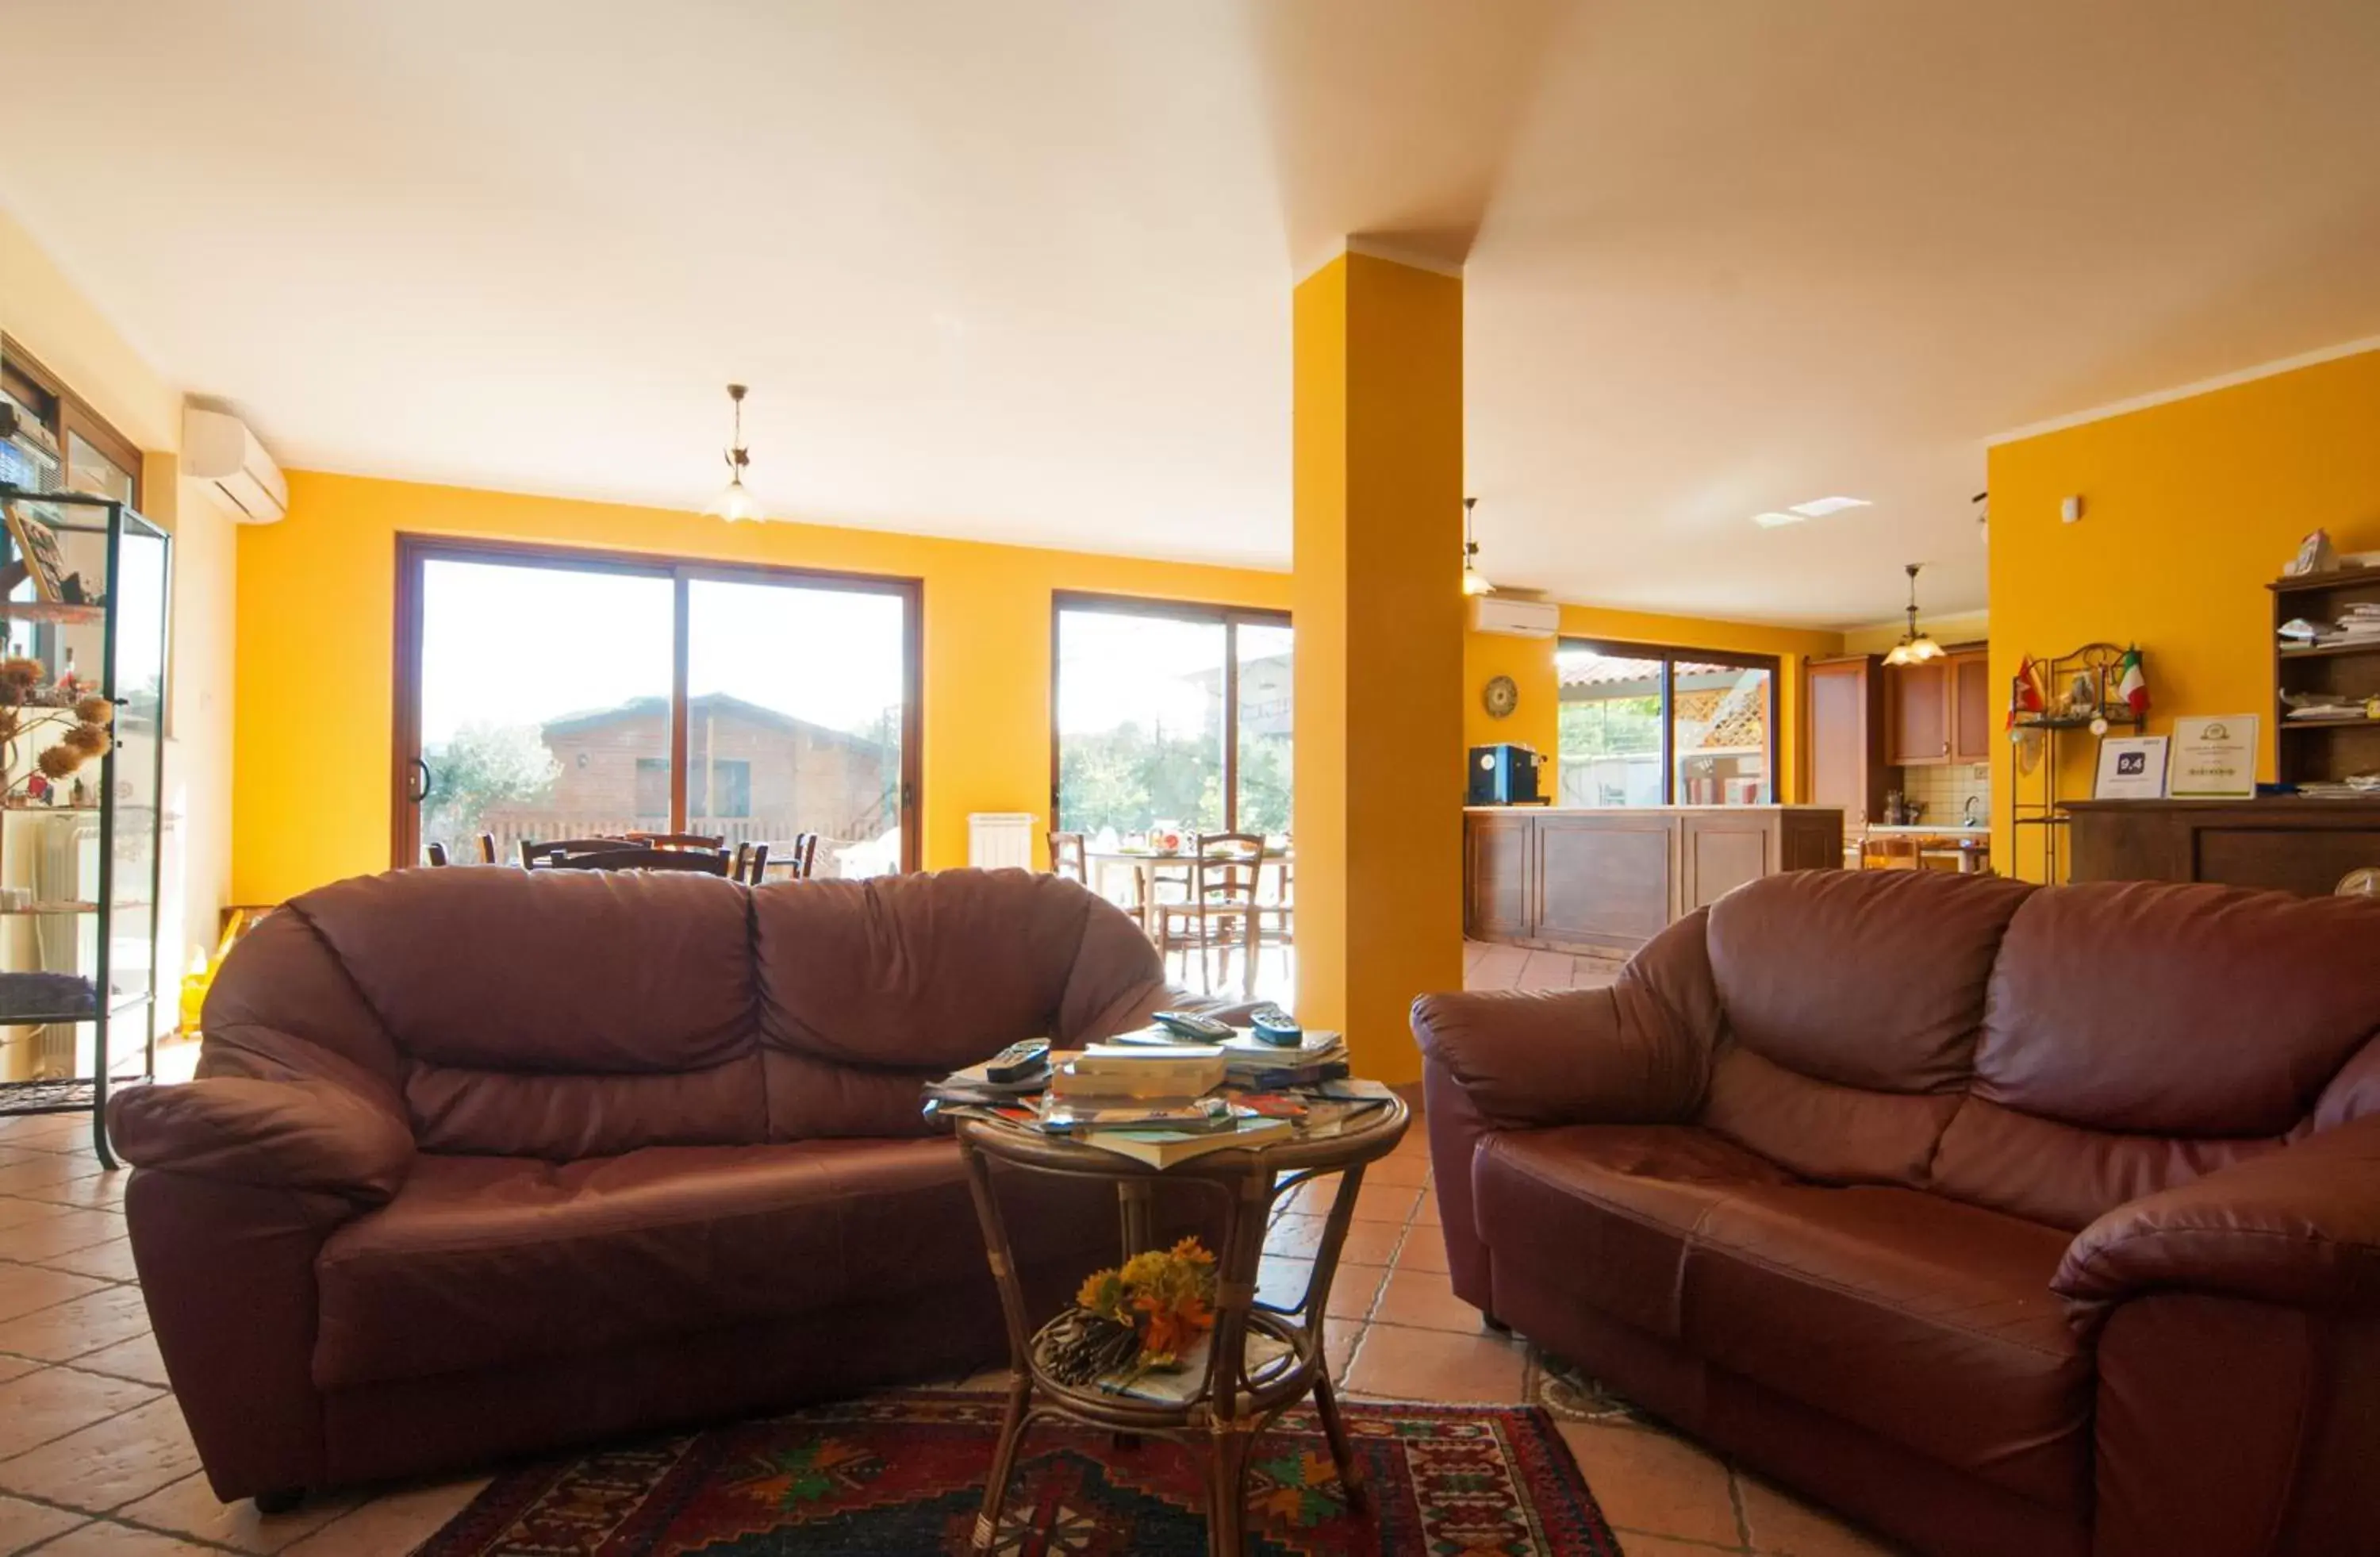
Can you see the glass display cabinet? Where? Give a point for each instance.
(83, 601)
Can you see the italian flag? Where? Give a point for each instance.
(2130, 685)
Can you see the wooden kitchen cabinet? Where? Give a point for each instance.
(1971, 707)
(1845, 696)
(1917, 714)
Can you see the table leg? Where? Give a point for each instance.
(1003, 1461)
(1334, 1428)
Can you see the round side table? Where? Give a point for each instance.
(1231, 1406)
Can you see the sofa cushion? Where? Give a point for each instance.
(482, 1261)
(1836, 1135)
(565, 971)
(1871, 979)
(1918, 1318)
(937, 971)
(2179, 1010)
(1605, 1211)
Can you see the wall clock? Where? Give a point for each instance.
(1501, 697)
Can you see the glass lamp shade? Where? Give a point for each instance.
(736, 503)
(1475, 582)
(1913, 651)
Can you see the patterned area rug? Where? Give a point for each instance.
(901, 1475)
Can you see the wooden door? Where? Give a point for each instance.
(1500, 895)
(1971, 703)
(1917, 714)
(1846, 703)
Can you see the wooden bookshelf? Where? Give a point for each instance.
(2325, 749)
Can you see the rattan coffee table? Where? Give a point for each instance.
(1229, 1409)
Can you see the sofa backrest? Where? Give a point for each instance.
(2048, 1051)
(574, 1014)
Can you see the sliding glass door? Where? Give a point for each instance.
(1655, 727)
(1169, 713)
(548, 694)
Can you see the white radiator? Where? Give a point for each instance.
(1000, 840)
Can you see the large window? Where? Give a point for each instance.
(1171, 713)
(551, 694)
(1644, 725)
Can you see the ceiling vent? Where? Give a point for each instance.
(1520, 618)
(221, 452)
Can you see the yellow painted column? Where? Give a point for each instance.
(1378, 606)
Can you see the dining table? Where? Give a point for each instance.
(1146, 866)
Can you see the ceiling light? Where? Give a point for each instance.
(1778, 518)
(1915, 647)
(735, 502)
(1819, 508)
(1474, 581)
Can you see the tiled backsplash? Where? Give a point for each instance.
(1943, 791)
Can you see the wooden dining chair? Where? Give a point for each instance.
(1068, 858)
(714, 863)
(487, 848)
(1277, 915)
(1221, 910)
(751, 865)
(533, 853)
(437, 853)
(678, 840)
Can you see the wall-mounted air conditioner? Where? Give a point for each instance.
(1521, 619)
(219, 452)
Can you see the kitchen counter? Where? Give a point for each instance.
(1606, 879)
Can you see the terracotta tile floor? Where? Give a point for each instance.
(94, 1459)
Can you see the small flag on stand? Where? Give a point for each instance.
(2130, 685)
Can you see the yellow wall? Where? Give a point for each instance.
(2190, 508)
(317, 652)
(51, 318)
(1530, 663)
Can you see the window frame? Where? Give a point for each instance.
(1229, 617)
(414, 551)
(70, 416)
(1669, 654)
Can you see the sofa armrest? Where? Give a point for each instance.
(2298, 1227)
(305, 1133)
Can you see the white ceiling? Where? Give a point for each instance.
(1021, 270)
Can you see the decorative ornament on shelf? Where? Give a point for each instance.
(25, 701)
(1141, 1316)
(1474, 581)
(735, 502)
(1916, 646)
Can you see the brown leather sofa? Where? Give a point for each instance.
(486, 1161)
(2008, 1219)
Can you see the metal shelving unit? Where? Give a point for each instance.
(80, 863)
(2080, 686)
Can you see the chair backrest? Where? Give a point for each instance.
(437, 853)
(487, 848)
(805, 856)
(533, 853)
(632, 859)
(1067, 859)
(752, 860)
(678, 840)
(1225, 867)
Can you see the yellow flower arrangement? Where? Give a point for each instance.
(1145, 1314)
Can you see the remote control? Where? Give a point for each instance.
(1018, 1061)
(1190, 1025)
(1272, 1025)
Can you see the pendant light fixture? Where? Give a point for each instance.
(735, 502)
(1915, 647)
(1474, 581)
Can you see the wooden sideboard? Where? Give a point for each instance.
(2280, 842)
(1609, 881)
